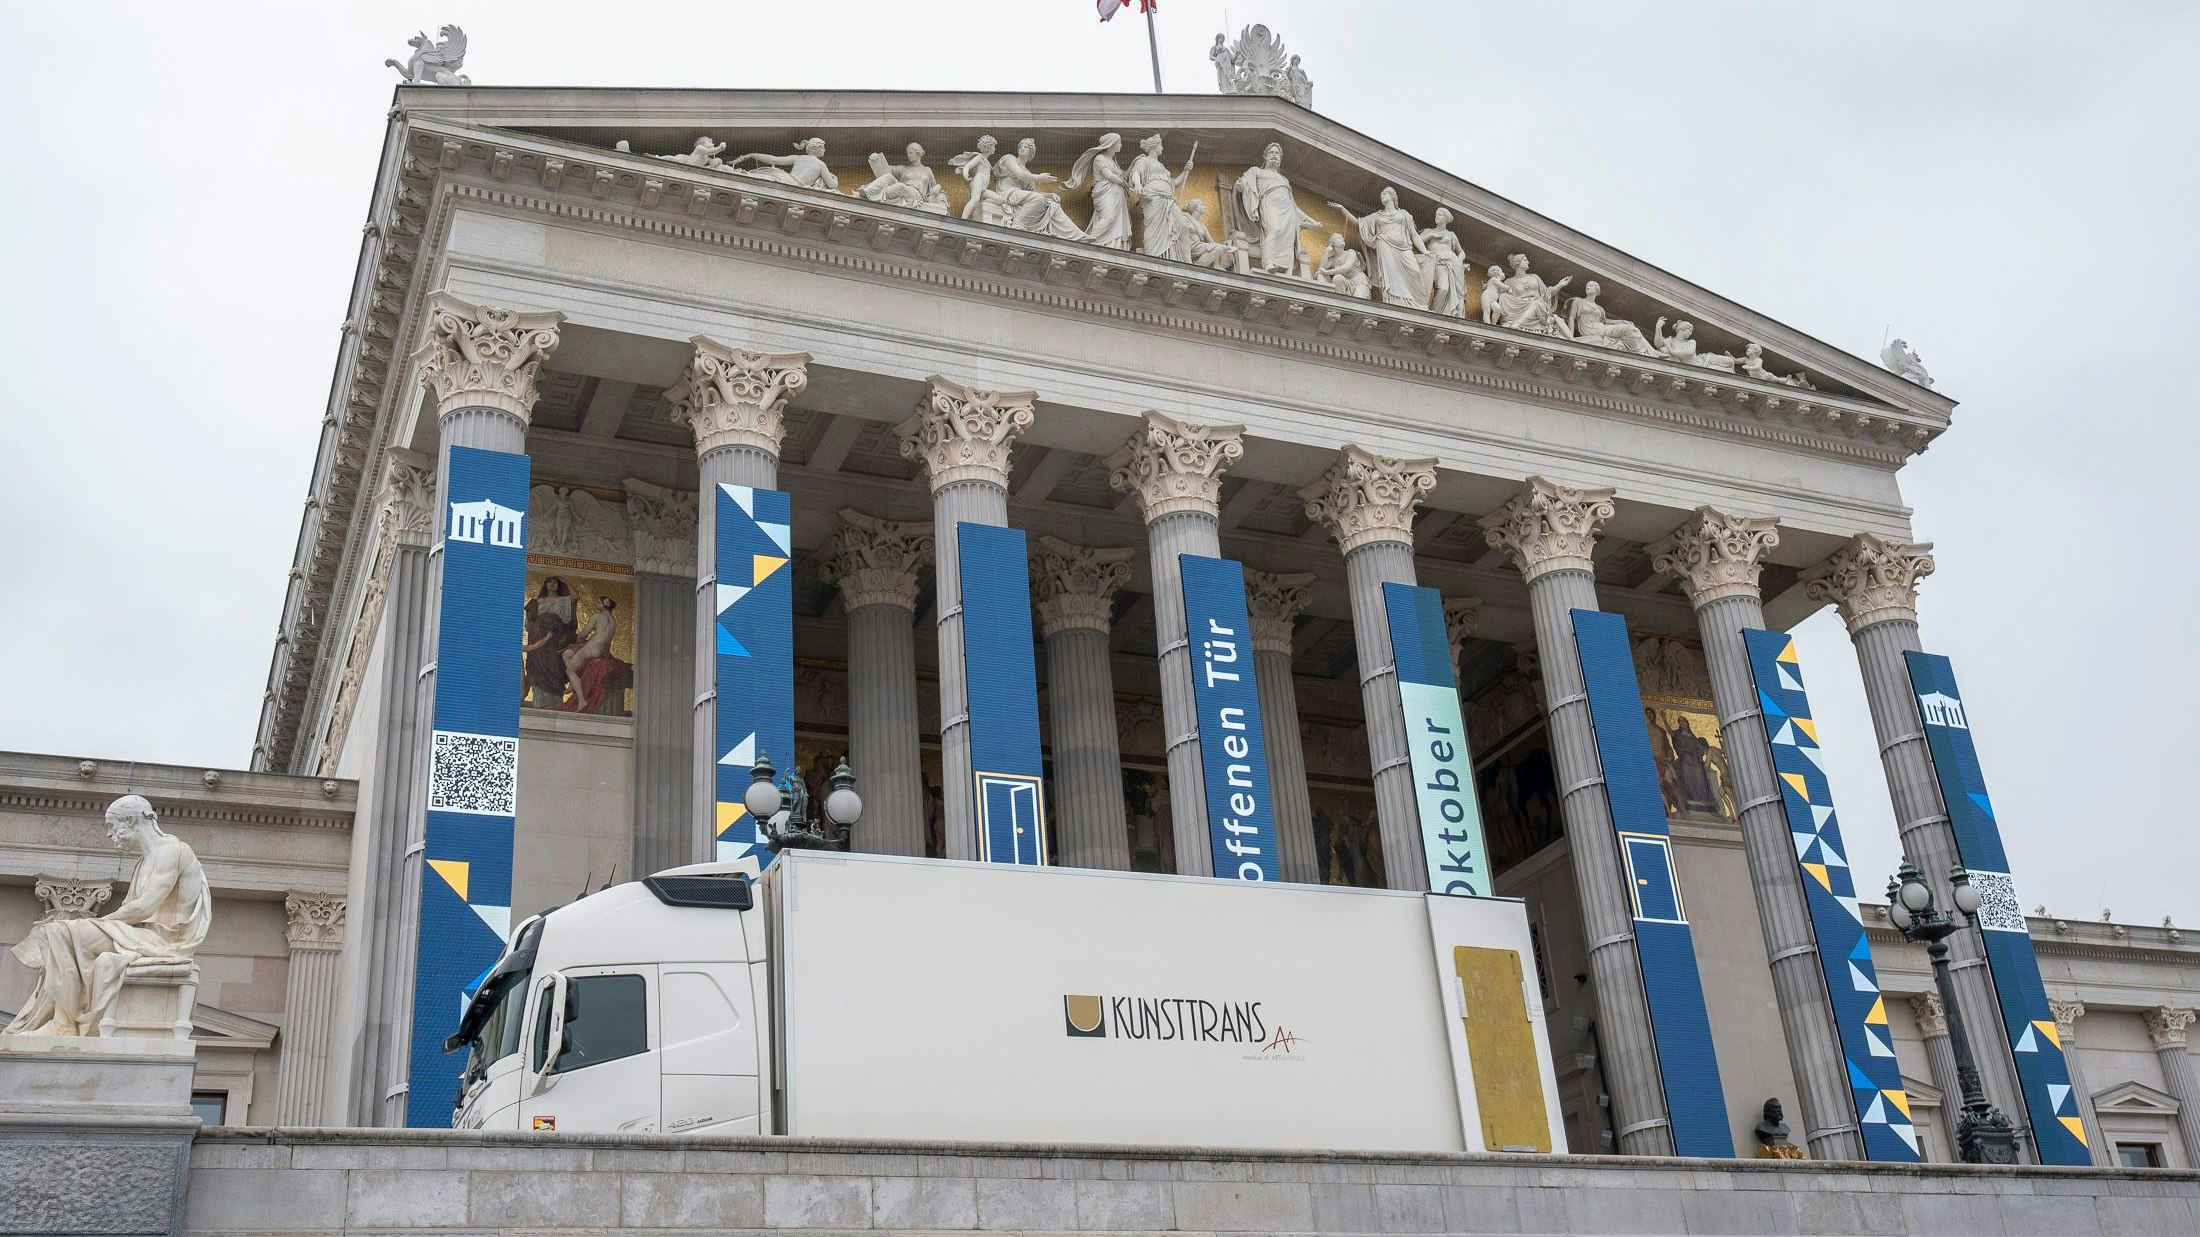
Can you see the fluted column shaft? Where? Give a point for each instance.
(1397, 808)
(1623, 1024)
(1929, 842)
(2067, 1014)
(1279, 717)
(882, 729)
(664, 727)
(971, 502)
(1940, 1061)
(728, 465)
(1791, 944)
(310, 998)
(1181, 532)
(1092, 830)
(2166, 1026)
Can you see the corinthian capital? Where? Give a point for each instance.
(1715, 554)
(2066, 1014)
(1365, 498)
(661, 525)
(1461, 616)
(1932, 1018)
(1549, 527)
(877, 562)
(1871, 579)
(479, 356)
(732, 397)
(316, 921)
(1175, 466)
(2166, 1026)
(1075, 585)
(960, 433)
(1276, 601)
(71, 899)
(407, 497)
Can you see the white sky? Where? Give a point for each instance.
(2008, 185)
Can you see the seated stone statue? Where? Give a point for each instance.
(911, 185)
(1772, 1135)
(81, 963)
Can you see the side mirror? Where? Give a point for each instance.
(552, 1037)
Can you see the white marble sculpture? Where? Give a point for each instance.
(1342, 269)
(1522, 300)
(435, 62)
(911, 184)
(1681, 346)
(1023, 205)
(1204, 250)
(1257, 64)
(1264, 194)
(1102, 169)
(1164, 231)
(804, 169)
(976, 169)
(1391, 240)
(81, 963)
(1752, 363)
(1588, 322)
(1898, 357)
(1445, 261)
(704, 154)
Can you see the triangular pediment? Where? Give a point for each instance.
(2135, 1098)
(214, 1027)
(1922, 1093)
(615, 135)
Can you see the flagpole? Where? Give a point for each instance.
(1153, 45)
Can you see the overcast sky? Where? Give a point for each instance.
(2009, 186)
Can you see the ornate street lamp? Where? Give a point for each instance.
(1983, 1132)
(782, 808)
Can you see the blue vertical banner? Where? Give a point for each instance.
(473, 762)
(1233, 748)
(753, 712)
(2057, 1130)
(1003, 689)
(1436, 738)
(1680, 1025)
(1829, 895)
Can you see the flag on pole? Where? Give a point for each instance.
(1108, 7)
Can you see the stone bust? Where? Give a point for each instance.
(1772, 1135)
(81, 962)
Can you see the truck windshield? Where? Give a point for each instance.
(499, 1034)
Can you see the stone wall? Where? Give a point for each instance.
(319, 1181)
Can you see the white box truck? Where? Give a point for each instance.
(879, 997)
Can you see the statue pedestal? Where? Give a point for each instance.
(95, 1133)
(156, 1002)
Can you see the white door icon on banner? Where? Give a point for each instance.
(1011, 822)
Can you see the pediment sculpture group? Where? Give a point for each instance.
(1388, 256)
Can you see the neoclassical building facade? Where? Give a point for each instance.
(1360, 395)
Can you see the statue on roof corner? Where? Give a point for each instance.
(1898, 357)
(1257, 64)
(436, 62)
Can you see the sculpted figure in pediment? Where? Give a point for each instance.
(1523, 301)
(1111, 190)
(976, 169)
(1392, 241)
(1204, 250)
(1264, 194)
(1753, 364)
(804, 169)
(704, 154)
(1342, 269)
(912, 184)
(1592, 325)
(1681, 346)
(1023, 204)
(1165, 230)
(1446, 263)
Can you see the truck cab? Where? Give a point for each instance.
(590, 1012)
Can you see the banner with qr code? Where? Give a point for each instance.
(473, 762)
(753, 634)
(1003, 681)
(2034, 1039)
(1829, 897)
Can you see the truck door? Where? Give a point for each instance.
(590, 1063)
(709, 1048)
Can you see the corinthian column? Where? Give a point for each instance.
(316, 937)
(1075, 589)
(1873, 582)
(1717, 558)
(877, 564)
(2166, 1027)
(1940, 1060)
(484, 365)
(1462, 616)
(1276, 601)
(2067, 1014)
(735, 401)
(1175, 469)
(661, 524)
(962, 437)
(1548, 531)
(1367, 503)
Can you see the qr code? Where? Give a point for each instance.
(1998, 909)
(474, 773)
